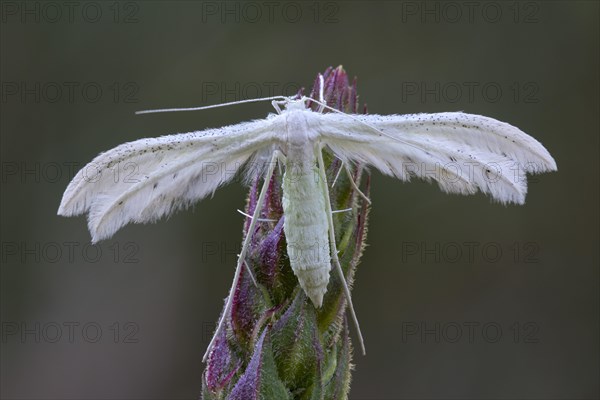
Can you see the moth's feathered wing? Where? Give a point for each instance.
(147, 179)
(462, 152)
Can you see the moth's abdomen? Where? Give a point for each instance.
(306, 229)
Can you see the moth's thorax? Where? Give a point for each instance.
(299, 135)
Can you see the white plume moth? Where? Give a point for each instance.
(464, 153)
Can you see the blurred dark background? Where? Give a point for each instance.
(458, 297)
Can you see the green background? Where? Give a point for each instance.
(169, 279)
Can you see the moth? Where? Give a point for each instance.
(464, 153)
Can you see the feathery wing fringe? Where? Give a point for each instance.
(462, 152)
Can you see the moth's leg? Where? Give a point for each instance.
(259, 220)
(354, 185)
(341, 211)
(248, 265)
(281, 159)
(337, 175)
(242, 255)
(334, 251)
(252, 278)
(275, 105)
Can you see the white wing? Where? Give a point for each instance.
(147, 179)
(462, 152)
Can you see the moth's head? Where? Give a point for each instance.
(296, 104)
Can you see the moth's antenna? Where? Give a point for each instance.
(366, 124)
(211, 106)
